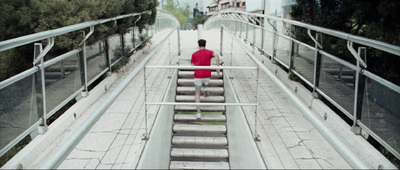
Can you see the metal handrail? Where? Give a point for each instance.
(20, 41)
(16, 42)
(203, 67)
(217, 21)
(200, 104)
(57, 158)
(350, 37)
(353, 159)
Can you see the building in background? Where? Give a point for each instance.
(226, 5)
(287, 8)
(255, 6)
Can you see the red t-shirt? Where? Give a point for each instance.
(202, 58)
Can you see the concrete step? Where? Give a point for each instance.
(204, 118)
(202, 108)
(212, 91)
(190, 82)
(199, 140)
(189, 128)
(208, 99)
(198, 165)
(199, 153)
(189, 75)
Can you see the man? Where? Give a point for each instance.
(202, 57)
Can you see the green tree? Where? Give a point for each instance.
(377, 20)
(22, 17)
(181, 13)
(199, 19)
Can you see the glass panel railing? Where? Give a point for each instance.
(381, 112)
(62, 80)
(128, 40)
(250, 33)
(303, 62)
(96, 60)
(337, 82)
(114, 43)
(268, 39)
(258, 36)
(19, 108)
(283, 50)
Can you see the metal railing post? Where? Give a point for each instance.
(231, 50)
(236, 27)
(85, 90)
(262, 35)
(179, 41)
(317, 64)
(359, 91)
(241, 28)
(107, 59)
(43, 78)
(222, 39)
(274, 41)
(37, 89)
(145, 135)
(292, 55)
(256, 136)
(254, 34)
(247, 28)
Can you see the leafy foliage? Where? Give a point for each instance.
(181, 13)
(199, 19)
(378, 20)
(21, 17)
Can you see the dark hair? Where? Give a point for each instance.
(202, 43)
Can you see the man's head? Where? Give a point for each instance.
(202, 43)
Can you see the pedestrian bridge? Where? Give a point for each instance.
(279, 103)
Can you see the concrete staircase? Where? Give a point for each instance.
(199, 143)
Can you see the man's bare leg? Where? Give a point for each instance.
(197, 100)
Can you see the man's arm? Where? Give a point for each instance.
(217, 58)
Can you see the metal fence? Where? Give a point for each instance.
(29, 98)
(370, 101)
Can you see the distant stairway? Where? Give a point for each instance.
(199, 143)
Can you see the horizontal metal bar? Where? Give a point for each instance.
(281, 62)
(59, 155)
(337, 105)
(303, 78)
(63, 103)
(16, 42)
(339, 60)
(33, 70)
(200, 104)
(204, 67)
(346, 36)
(18, 77)
(20, 137)
(97, 76)
(382, 81)
(379, 139)
(352, 158)
(61, 57)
